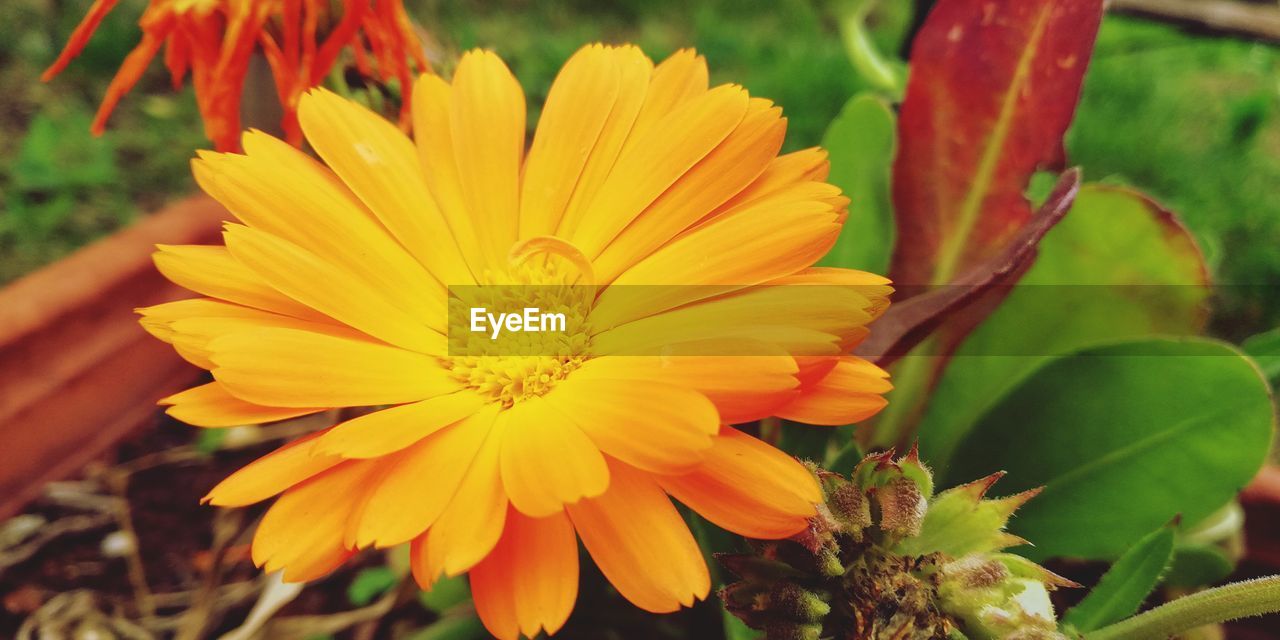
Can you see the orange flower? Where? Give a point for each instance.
(215, 39)
(335, 292)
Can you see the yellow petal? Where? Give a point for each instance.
(199, 308)
(282, 191)
(850, 393)
(680, 78)
(749, 488)
(159, 321)
(651, 165)
(652, 425)
(211, 271)
(390, 430)
(841, 311)
(470, 526)
(806, 165)
(302, 532)
(209, 405)
(494, 596)
(191, 336)
(434, 141)
(762, 242)
(743, 385)
(379, 164)
(728, 169)
(290, 368)
(414, 486)
(753, 321)
(271, 474)
(547, 461)
(641, 544)
(530, 581)
(634, 70)
(321, 285)
(486, 116)
(576, 109)
(875, 288)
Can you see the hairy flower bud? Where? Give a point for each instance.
(885, 558)
(798, 603)
(849, 507)
(902, 508)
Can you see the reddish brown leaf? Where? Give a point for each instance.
(993, 88)
(905, 325)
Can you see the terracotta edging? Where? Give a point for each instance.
(76, 370)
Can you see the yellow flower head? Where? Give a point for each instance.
(335, 292)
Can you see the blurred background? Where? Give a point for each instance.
(1187, 115)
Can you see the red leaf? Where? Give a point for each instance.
(906, 324)
(993, 88)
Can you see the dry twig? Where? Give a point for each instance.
(1256, 21)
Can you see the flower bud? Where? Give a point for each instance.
(849, 507)
(902, 508)
(793, 602)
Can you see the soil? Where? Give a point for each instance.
(85, 574)
(189, 575)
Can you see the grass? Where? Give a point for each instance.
(60, 187)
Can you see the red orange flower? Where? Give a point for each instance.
(213, 40)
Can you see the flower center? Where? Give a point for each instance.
(544, 274)
(510, 379)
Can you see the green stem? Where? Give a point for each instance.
(771, 430)
(911, 379)
(862, 52)
(1228, 602)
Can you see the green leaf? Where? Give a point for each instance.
(1126, 584)
(446, 594)
(960, 522)
(805, 441)
(860, 142)
(1265, 350)
(735, 629)
(1123, 438)
(209, 441)
(713, 540)
(845, 459)
(369, 584)
(1116, 267)
(1198, 565)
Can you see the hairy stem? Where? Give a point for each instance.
(1228, 602)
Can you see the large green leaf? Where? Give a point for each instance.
(1265, 349)
(1126, 584)
(1123, 438)
(1116, 267)
(1198, 565)
(860, 142)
